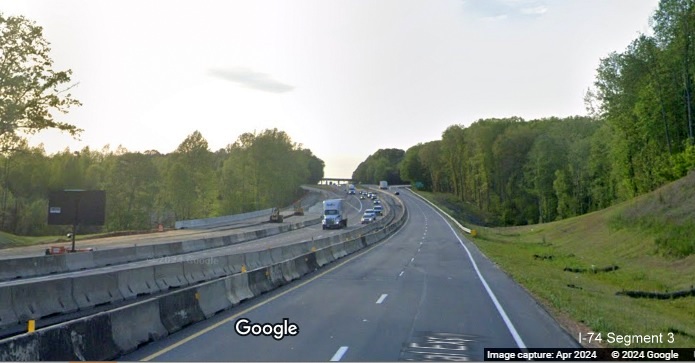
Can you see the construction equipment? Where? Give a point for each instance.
(275, 216)
(298, 210)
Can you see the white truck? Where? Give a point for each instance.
(351, 189)
(383, 184)
(334, 214)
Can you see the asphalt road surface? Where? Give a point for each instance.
(424, 294)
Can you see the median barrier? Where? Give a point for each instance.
(234, 262)
(169, 276)
(23, 347)
(259, 281)
(193, 245)
(85, 339)
(278, 274)
(338, 251)
(136, 324)
(204, 269)
(79, 261)
(7, 315)
(137, 282)
(94, 290)
(180, 309)
(144, 252)
(237, 287)
(40, 299)
(324, 256)
(276, 255)
(216, 242)
(213, 297)
(208, 222)
(13, 268)
(168, 249)
(114, 256)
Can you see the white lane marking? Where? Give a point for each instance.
(411, 260)
(498, 306)
(401, 274)
(382, 298)
(339, 354)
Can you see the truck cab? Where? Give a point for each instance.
(334, 215)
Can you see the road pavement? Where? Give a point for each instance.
(426, 293)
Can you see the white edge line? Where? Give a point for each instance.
(498, 306)
(382, 298)
(339, 354)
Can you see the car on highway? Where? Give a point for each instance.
(369, 216)
(379, 210)
(377, 201)
(397, 193)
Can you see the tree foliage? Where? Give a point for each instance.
(384, 164)
(257, 171)
(30, 89)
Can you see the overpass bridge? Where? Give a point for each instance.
(328, 181)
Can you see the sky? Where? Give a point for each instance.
(342, 78)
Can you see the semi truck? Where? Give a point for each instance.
(334, 214)
(383, 184)
(351, 189)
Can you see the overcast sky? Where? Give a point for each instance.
(343, 78)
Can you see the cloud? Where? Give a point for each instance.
(502, 9)
(251, 79)
(537, 10)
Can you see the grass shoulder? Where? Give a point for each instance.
(577, 268)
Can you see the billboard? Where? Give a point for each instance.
(77, 207)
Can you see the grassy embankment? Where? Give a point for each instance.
(646, 238)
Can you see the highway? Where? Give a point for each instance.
(425, 293)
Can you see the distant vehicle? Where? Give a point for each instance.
(379, 210)
(334, 215)
(383, 184)
(377, 201)
(351, 189)
(362, 197)
(397, 193)
(369, 216)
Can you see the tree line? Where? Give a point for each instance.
(638, 135)
(143, 189)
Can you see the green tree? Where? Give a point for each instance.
(29, 86)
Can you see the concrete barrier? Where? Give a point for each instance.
(24, 348)
(259, 281)
(213, 297)
(40, 299)
(114, 256)
(136, 324)
(208, 222)
(85, 339)
(79, 261)
(290, 269)
(278, 274)
(234, 262)
(167, 249)
(8, 317)
(137, 282)
(94, 290)
(324, 256)
(193, 246)
(238, 288)
(169, 276)
(11, 269)
(180, 309)
(144, 252)
(204, 269)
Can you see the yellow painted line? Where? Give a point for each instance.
(227, 320)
